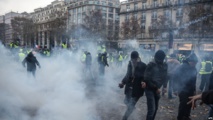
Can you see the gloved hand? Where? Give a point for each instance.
(121, 85)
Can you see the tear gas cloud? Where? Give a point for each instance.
(60, 90)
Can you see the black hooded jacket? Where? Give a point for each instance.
(31, 62)
(156, 75)
(185, 78)
(134, 81)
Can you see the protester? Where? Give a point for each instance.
(31, 63)
(134, 83)
(155, 76)
(185, 85)
(173, 64)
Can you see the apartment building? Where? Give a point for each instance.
(8, 30)
(43, 17)
(110, 9)
(174, 14)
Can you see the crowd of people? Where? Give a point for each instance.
(177, 71)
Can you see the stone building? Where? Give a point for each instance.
(174, 14)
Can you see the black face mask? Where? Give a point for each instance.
(159, 61)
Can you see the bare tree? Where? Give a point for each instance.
(23, 29)
(57, 26)
(161, 25)
(130, 28)
(2, 32)
(202, 17)
(95, 24)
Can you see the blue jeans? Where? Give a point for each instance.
(152, 103)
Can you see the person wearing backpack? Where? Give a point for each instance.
(134, 83)
(205, 72)
(102, 60)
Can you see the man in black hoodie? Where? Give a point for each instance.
(185, 85)
(155, 76)
(31, 63)
(134, 83)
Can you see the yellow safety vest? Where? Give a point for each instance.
(120, 58)
(83, 57)
(64, 46)
(203, 66)
(21, 56)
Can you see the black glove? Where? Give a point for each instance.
(121, 85)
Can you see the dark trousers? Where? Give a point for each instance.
(101, 69)
(184, 109)
(204, 82)
(130, 103)
(31, 72)
(152, 103)
(211, 111)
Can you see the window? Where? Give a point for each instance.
(90, 2)
(136, 6)
(167, 2)
(79, 9)
(117, 10)
(84, 8)
(143, 5)
(110, 4)
(154, 15)
(155, 3)
(97, 7)
(135, 15)
(104, 15)
(110, 15)
(127, 16)
(167, 13)
(143, 25)
(143, 17)
(104, 9)
(127, 7)
(116, 16)
(179, 12)
(111, 10)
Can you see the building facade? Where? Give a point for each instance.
(79, 9)
(7, 29)
(168, 16)
(49, 21)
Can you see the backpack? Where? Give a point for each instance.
(208, 67)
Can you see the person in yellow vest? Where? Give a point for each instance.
(46, 52)
(120, 59)
(83, 57)
(205, 72)
(11, 45)
(64, 45)
(102, 59)
(110, 58)
(21, 55)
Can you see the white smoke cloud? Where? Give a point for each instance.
(59, 91)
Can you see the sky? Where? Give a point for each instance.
(22, 5)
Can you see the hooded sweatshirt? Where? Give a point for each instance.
(31, 62)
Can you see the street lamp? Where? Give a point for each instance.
(171, 33)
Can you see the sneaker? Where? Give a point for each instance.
(210, 118)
